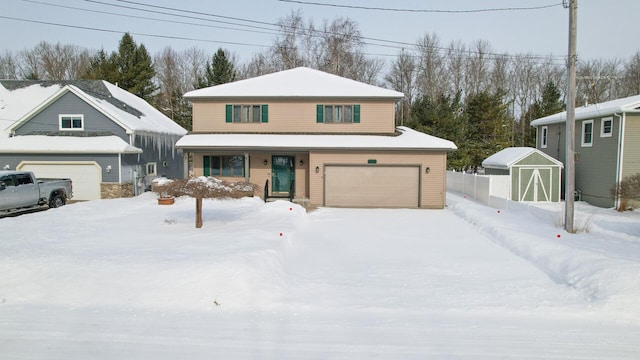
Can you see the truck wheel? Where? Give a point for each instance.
(56, 201)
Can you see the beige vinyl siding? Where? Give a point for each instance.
(294, 116)
(259, 172)
(432, 187)
(631, 156)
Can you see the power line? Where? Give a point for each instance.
(422, 10)
(132, 33)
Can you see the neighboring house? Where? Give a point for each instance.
(534, 175)
(332, 141)
(607, 145)
(102, 137)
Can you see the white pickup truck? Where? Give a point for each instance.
(20, 190)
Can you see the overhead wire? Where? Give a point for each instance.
(399, 45)
(439, 11)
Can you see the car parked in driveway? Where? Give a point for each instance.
(21, 190)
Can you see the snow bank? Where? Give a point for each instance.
(600, 271)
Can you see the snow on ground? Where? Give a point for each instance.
(127, 278)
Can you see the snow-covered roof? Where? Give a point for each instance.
(38, 144)
(20, 102)
(407, 140)
(628, 104)
(506, 158)
(298, 82)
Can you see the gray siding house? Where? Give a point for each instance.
(607, 145)
(110, 142)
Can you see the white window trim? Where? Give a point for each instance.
(602, 133)
(544, 137)
(584, 125)
(60, 116)
(155, 169)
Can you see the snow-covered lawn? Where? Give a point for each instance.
(128, 279)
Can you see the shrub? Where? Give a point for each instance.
(627, 191)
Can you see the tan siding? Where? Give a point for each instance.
(432, 188)
(631, 157)
(294, 116)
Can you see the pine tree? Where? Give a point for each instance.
(131, 68)
(219, 71)
(549, 104)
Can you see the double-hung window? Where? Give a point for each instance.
(229, 165)
(606, 127)
(71, 122)
(337, 114)
(247, 113)
(587, 133)
(544, 136)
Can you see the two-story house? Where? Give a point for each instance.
(607, 145)
(110, 142)
(332, 141)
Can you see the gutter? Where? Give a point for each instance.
(619, 162)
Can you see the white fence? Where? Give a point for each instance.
(492, 190)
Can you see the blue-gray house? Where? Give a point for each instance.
(110, 142)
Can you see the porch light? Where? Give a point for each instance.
(265, 162)
(427, 170)
(317, 169)
(7, 167)
(108, 168)
(301, 163)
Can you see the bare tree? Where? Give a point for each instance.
(598, 80)
(632, 76)
(477, 68)
(431, 67)
(8, 66)
(54, 62)
(456, 55)
(402, 77)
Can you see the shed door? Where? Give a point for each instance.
(372, 186)
(86, 177)
(535, 184)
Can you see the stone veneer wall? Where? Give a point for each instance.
(115, 190)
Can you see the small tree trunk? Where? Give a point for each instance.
(198, 212)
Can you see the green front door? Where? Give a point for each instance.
(282, 173)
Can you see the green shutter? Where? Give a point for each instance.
(356, 113)
(319, 113)
(265, 113)
(229, 113)
(206, 165)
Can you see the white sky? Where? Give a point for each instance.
(606, 29)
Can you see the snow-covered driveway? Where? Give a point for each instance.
(130, 279)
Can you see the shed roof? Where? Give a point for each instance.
(628, 104)
(298, 82)
(508, 157)
(407, 140)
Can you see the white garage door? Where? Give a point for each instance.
(372, 186)
(86, 176)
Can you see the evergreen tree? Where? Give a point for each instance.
(131, 68)
(489, 127)
(549, 104)
(219, 71)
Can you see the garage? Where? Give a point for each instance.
(372, 186)
(86, 176)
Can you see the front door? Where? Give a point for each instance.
(282, 173)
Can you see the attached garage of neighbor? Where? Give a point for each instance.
(372, 185)
(535, 176)
(85, 175)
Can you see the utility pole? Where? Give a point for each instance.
(570, 171)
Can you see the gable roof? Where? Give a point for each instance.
(508, 157)
(21, 100)
(628, 104)
(408, 139)
(298, 82)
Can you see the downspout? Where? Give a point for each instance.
(619, 163)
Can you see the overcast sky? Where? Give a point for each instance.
(606, 29)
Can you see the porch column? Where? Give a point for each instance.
(246, 167)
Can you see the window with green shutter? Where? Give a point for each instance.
(206, 165)
(265, 113)
(356, 113)
(229, 113)
(319, 113)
